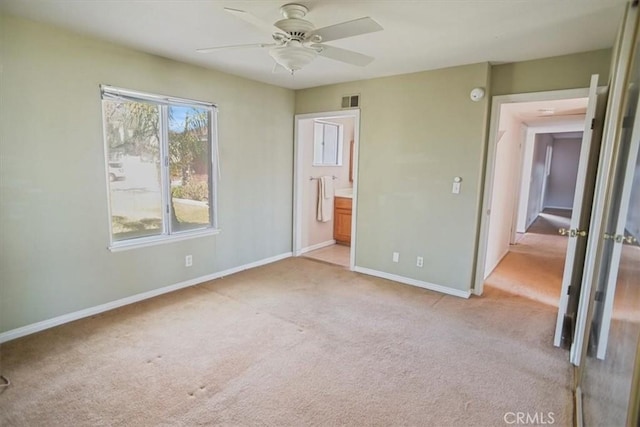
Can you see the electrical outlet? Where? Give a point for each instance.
(396, 256)
(188, 261)
(419, 261)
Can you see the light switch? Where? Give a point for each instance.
(456, 185)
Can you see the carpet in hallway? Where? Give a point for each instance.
(532, 268)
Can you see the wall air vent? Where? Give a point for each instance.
(351, 101)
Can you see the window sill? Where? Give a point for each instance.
(159, 240)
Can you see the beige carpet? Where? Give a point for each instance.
(294, 343)
(534, 266)
(550, 221)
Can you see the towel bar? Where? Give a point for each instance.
(318, 177)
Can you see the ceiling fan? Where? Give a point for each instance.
(297, 42)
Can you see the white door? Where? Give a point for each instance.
(576, 247)
(624, 232)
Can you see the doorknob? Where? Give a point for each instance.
(625, 239)
(572, 233)
(618, 238)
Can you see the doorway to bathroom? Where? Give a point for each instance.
(325, 186)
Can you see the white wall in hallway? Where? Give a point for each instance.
(506, 179)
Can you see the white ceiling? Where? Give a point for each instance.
(418, 35)
(559, 109)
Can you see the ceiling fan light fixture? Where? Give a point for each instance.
(298, 42)
(293, 58)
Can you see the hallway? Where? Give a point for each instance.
(534, 265)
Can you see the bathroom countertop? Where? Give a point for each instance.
(344, 192)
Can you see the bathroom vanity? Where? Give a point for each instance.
(342, 216)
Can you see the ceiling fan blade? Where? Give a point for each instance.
(253, 20)
(235, 46)
(346, 29)
(343, 55)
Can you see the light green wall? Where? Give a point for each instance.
(53, 193)
(560, 72)
(417, 132)
(420, 130)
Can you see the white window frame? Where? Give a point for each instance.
(164, 102)
(339, 144)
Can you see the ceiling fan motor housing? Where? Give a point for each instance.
(294, 10)
(296, 28)
(293, 24)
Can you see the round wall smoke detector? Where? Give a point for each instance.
(477, 94)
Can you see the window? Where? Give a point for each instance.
(327, 144)
(160, 156)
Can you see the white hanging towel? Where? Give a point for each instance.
(325, 199)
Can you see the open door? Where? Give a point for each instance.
(578, 231)
(625, 230)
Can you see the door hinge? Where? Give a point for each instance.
(593, 124)
(599, 296)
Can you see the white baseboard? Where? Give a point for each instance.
(316, 246)
(91, 311)
(414, 282)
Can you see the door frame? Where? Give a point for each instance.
(490, 163)
(298, 179)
